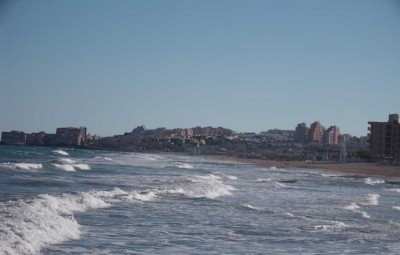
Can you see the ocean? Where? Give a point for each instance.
(72, 201)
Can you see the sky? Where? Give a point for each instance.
(245, 65)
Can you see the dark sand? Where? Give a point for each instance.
(361, 169)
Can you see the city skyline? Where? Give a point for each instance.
(248, 66)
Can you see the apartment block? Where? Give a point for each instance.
(316, 132)
(331, 135)
(301, 133)
(384, 138)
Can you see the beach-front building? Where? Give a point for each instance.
(301, 133)
(69, 136)
(316, 132)
(331, 135)
(13, 137)
(384, 138)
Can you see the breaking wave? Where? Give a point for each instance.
(82, 166)
(61, 152)
(22, 166)
(264, 180)
(208, 186)
(67, 160)
(274, 168)
(251, 207)
(185, 166)
(372, 199)
(372, 181)
(355, 208)
(72, 167)
(336, 225)
(65, 167)
(396, 207)
(231, 177)
(29, 225)
(103, 158)
(142, 196)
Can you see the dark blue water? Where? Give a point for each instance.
(66, 201)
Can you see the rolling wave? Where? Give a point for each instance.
(23, 166)
(61, 152)
(72, 167)
(372, 200)
(355, 208)
(373, 181)
(29, 225)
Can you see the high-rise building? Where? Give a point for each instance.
(301, 133)
(331, 135)
(384, 138)
(316, 132)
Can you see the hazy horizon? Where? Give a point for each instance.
(245, 65)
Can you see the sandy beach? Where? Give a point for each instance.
(361, 169)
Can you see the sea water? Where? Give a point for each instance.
(70, 201)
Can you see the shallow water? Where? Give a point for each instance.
(66, 201)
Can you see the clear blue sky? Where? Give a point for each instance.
(245, 65)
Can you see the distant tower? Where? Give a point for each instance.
(316, 132)
(301, 133)
(343, 152)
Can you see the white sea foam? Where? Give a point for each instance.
(22, 166)
(336, 225)
(396, 207)
(72, 167)
(251, 207)
(142, 196)
(82, 166)
(330, 175)
(373, 181)
(111, 193)
(185, 166)
(355, 208)
(365, 215)
(352, 207)
(65, 167)
(67, 160)
(279, 185)
(395, 190)
(30, 225)
(289, 214)
(104, 158)
(264, 180)
(208, 186)
(61, 152)
(372, 200)
(231, 177)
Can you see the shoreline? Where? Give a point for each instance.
(359, 169)
(356, 168)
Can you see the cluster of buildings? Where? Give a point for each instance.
(382, 143)
(316, 133)
(68, 136)
(142, 131)
(384, 139)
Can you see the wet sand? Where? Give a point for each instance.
(361, 169)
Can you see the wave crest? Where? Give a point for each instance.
(22, 166)
(372, 181)
(28, 226)
(72, 167)
(61, 152)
